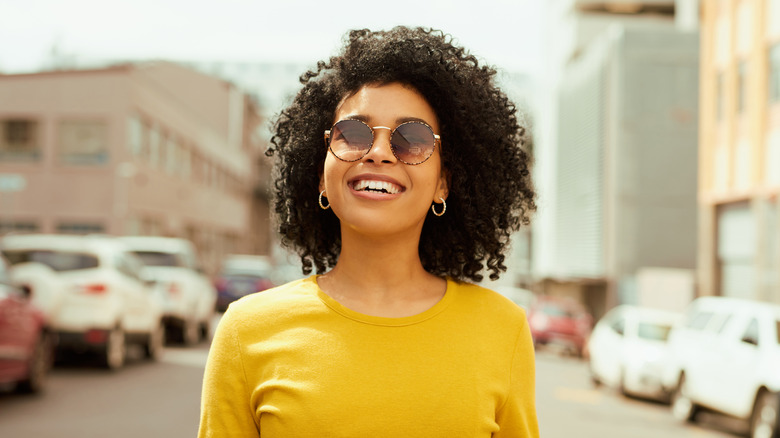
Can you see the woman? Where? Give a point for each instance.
(400, 177)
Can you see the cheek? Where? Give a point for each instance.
(431, 174)
(331, 173)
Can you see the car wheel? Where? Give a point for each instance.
(594, 379)
(154, 345)
(40, 364)
(190, 332)
(764, 420)
(205, 329)
(683, 408)
(114, 350)
(622, 384)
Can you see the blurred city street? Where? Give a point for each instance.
(569, 405)
(145, 399)
(137, 202)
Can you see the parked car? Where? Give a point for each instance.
(242, 275)
(25, 340)
(559, 322)
(627, 350)
(101, 302)
(189, 296)
(725, 357)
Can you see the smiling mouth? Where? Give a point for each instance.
(376, 187)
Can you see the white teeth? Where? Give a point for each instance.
(378, 186)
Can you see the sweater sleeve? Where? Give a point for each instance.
(225, 409)
(517, 417)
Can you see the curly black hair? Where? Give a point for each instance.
(490, 190)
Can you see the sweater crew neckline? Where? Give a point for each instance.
(346, 312)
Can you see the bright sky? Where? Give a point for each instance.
(505, 33)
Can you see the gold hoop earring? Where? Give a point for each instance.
(443, 203)
(322, 206)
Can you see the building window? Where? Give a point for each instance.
(772, 158)
(742, 160)
(172, 156)
(186, 165)
(162, 151)
(19, 140)
(721, 174)
(719, 96)
(736, 250)
(774, 73)
(135, 136)
(18, 227)
(154, 145)
(742, 73)
(80, 228)
(722, 39)
(773, 17)
(83, 142)
(745, 27)
(771, 247)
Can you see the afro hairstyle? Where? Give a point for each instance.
(490, 189)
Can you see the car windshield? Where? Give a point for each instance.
(56, 260)
(654, 332)
(556, 311)
(155, 258)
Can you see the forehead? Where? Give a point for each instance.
(387, 104)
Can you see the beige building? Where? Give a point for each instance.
(136, 149)
(739, 178)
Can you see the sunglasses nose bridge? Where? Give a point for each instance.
(382, 142)
(390, 133)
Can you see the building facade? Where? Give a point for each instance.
(617, 155)
(134, 149)
(739, 210)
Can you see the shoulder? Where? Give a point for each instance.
(274, 303)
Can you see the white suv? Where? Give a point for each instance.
(189, 296)
(627, 350)
(725, 357)
(91, 291)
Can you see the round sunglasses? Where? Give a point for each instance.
(411, 142)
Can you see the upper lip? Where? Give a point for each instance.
(375, 177)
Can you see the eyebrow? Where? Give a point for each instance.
(398, 121)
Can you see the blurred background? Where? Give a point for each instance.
(655, 133)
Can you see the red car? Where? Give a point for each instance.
(560, 322)
(25, 344)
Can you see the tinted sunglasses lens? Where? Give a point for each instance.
(350, 139)
(413, 142)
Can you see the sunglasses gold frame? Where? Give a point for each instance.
(436, 140)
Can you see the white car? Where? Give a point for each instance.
(189, 296)
(725, 357)
(628, 348)
(92, 293)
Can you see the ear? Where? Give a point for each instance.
(322, 183)
(442, 191)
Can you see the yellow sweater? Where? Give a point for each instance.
(293, 362)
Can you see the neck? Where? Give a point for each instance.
(382, 277)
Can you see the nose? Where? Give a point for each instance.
(381, 151)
